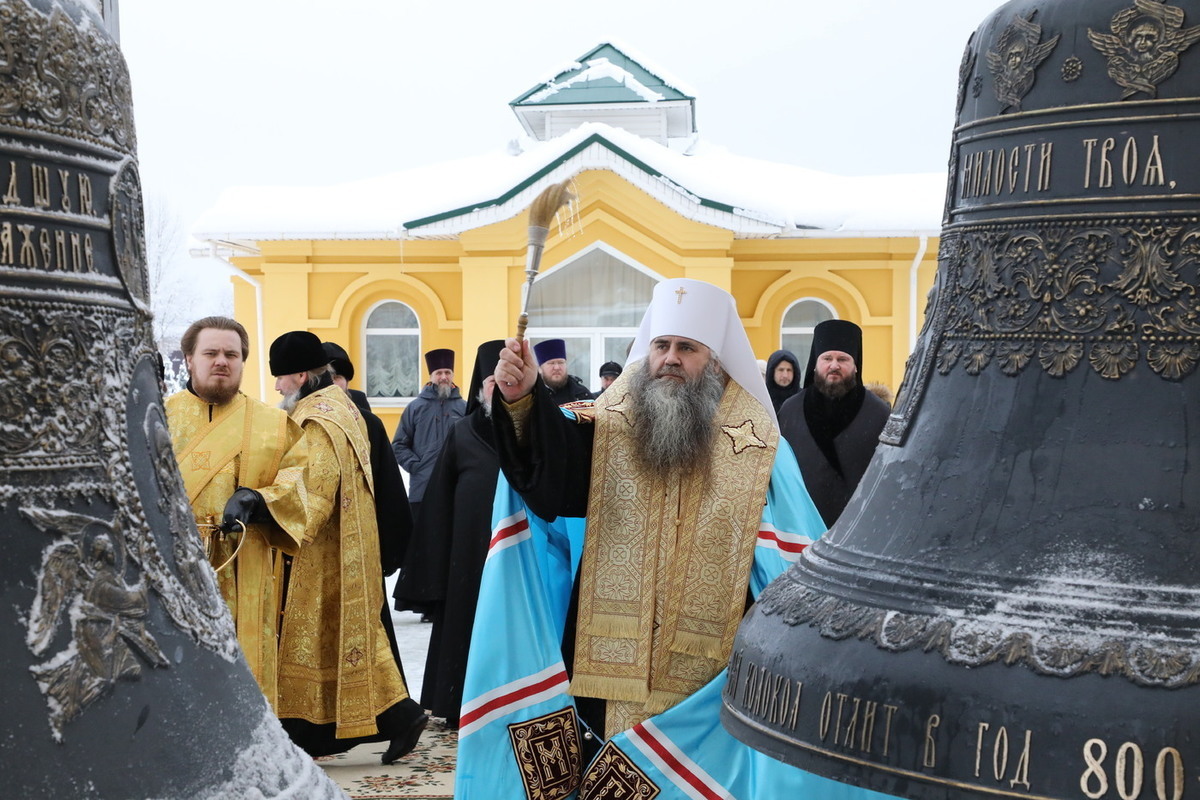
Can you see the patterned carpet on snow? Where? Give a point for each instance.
(424, 774)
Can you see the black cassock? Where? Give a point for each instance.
(445, 558)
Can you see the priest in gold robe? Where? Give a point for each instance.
(339, 682)
(228, 445)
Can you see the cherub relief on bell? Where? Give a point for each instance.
(1010, 605)
(120, 668)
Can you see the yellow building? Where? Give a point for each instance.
(435, 257)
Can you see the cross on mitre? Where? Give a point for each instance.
(679, 293)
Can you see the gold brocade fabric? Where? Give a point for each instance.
(666, 562)
(335, 664)
(245, 443)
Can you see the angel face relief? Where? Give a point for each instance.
(1144, 46)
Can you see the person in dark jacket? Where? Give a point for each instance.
(552, 364)
(833, 424)
(418, 439)
(783, 377)
(450, 544)
(609, 372)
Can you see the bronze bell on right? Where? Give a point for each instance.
(1010, 604)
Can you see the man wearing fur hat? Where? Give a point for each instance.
(425, 422)
(834, 423)
(339, 682)
(693, 503)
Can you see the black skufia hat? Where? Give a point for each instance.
(441, 358)
(834, 334)
(339, 359)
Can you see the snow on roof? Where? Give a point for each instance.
(769, 197)
(596, 69)
(650, 66)
(630, 53)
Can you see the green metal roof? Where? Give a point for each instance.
(534, 178)
(599, 88)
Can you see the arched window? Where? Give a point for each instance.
(593, 302)
(802, 316)
(393, 349)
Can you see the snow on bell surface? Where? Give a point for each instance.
(121, 671)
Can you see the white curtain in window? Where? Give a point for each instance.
(595, 304)
(393, 338)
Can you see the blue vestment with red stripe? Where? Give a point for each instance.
(516, 684)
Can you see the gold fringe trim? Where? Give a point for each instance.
(609, 688)
(611, 626)
(699, 644)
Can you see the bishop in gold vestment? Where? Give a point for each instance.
(672, 467)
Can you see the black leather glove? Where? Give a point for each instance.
(245, 506)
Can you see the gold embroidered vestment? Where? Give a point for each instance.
(335, 663)
(245, 443)
(666, 561)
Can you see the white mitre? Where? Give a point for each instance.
(700, 311)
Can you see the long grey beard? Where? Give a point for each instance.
(443, 390)
(673, 422)
(485, 402)
(288, 403)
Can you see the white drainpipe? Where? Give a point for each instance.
(912, 292)
(214, 252)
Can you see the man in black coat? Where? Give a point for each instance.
(450, 543)
(833, 424)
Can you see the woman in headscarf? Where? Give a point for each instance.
(783, 376)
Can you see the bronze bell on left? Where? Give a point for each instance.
(121, 673)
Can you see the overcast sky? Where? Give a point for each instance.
(297, 92)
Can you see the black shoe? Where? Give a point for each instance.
(403, 744)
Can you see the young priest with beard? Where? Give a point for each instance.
(234, 452)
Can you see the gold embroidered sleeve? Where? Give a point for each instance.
(287, 496)
(322, 477)
(519, 413)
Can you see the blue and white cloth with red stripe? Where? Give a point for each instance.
(515, 671)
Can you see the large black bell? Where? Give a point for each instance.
(1010, 605)
(121, 675)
